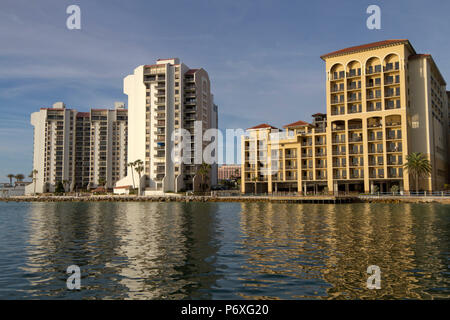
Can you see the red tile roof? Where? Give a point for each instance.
(365, 47)
(191, 71)
(154, 65)
(262, 126)
(56, 109)
(297, 124)
(318, 114)
(83, 115)
(416, 56)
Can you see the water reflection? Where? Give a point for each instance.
(132, 250)
(311, 251)
(223, 250)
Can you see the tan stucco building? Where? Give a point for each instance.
(384, 101)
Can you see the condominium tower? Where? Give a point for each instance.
(80, 149)
(384, 101)
(164, 97)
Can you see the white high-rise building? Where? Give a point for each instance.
(161, 98)
(80, 149)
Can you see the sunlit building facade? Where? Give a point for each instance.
(384, 101)
(164, 97)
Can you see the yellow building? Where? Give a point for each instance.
(384, 101)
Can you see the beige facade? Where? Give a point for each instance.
(78, 148)
(384, 101)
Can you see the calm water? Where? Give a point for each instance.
(223, 250)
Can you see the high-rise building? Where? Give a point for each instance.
(164, 97)
(384, 102)
(101, 147)
(80, 149)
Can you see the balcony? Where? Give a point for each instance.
(354, 86)
(393, 124)
(354, 126)
(355, 139)
(338, 76)
(356, 164)
(190, 102)
(337, 101)
(390, 67)
(338, 128)
(337, 89)
(290, 156)
(371, 108)
(374, 96)
(354, 99)
(354, 73)
(373, 69)
(394, 149)
(338, 141)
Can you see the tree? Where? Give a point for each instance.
(139, 165)
(33, 176)
(203, 172)
(19, 177)
(65, 182)
(131, 165)
(255, 180)
(395, 189)
(375, 189)
(10, 177)
(101, 181)
(418, 166)
(59, 187)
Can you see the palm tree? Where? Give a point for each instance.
(417, 165)
(10, 177)
(19, 177)
(203, 171)
(33, 176)
(255, 180)
(65, 182)
(102, 182)
(139, 164)
(131, 165)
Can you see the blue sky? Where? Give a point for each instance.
(262, 56)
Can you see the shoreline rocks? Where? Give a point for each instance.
(197, 198)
